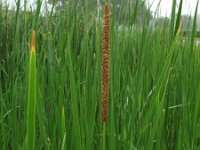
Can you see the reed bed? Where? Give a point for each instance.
(149, 85)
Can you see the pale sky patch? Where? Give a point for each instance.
(164, 9)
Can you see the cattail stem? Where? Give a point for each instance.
(105, 62)
(104, 136)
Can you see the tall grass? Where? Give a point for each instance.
(31, 97)
(154, 79)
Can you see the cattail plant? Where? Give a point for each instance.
(105, 62)
(105, 69)
(30, 137)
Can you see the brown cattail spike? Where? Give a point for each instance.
(105, 62)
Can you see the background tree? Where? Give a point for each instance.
(127, 10)
(122, 10)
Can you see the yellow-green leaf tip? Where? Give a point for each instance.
(33, 49)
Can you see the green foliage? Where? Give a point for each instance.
(130, 12)
(123, 10)
(31, 108)
(154, 80)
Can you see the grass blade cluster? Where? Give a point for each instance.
(147, 78)
(31, 109)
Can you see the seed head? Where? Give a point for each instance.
(105, 62)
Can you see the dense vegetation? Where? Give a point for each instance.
(154, 92)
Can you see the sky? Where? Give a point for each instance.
(164, 10)
(166, 5)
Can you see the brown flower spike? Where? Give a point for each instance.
(105, 62)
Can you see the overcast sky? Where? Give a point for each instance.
(165, 10)
(165, 7)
